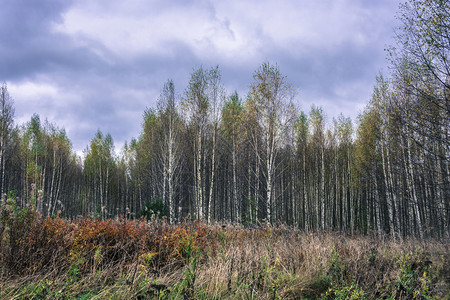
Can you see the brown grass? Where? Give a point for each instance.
(55, 258)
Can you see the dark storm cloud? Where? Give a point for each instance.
(88, 65)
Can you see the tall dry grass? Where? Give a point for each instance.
(122, 259)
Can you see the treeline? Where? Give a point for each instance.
(211, 155)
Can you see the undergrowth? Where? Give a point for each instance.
(45, 258)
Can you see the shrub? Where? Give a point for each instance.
(154, 209)
(139, 258)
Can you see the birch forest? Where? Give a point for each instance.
(211, 154)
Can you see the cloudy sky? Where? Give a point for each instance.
(86, 65)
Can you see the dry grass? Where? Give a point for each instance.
(94, 259)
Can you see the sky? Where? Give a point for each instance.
(86, 65)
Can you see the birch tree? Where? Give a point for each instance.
(272, 96)
(196, 106)
(6, 123)
(170, 146)
(216, 95)
(232, 130)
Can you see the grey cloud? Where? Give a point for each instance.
(111, 91)
(108, 100)
(28, 45)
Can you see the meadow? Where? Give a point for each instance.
(88, 258)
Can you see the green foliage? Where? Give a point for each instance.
(231, 114)
(186, 286)
(73, 273)
(86, 296)
(340, 288)
(345, 292)
(154, 209)
(12, 194)
(39, 290)
(336, 267)
(414, 280)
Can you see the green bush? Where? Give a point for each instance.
(154, 209)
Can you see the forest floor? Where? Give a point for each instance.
(120, 259)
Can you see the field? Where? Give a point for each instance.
(44, 258)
